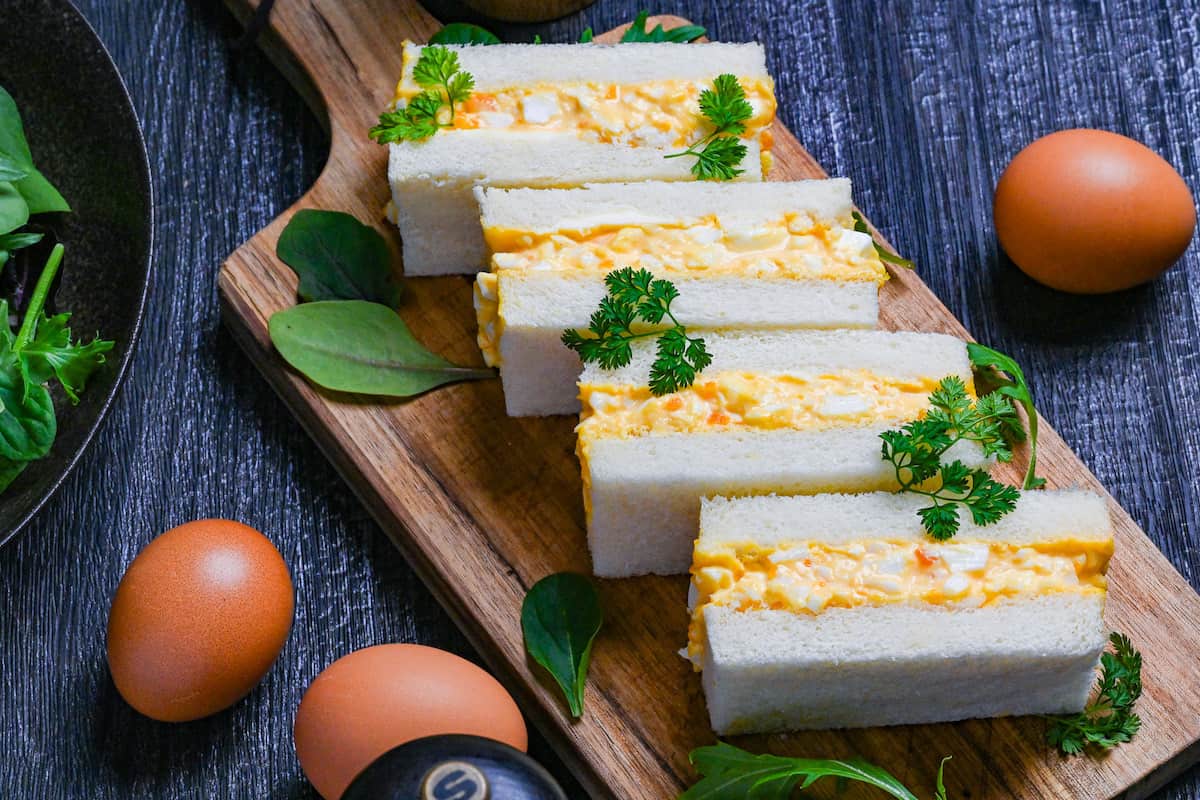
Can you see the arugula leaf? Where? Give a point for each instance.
(719, 154)
(730, 773)
(438, 72)
(337, 257)
(637, 32)
(860, 225)
(361, 347)
(995, 364)
(14, 211)
(52, 354)
(635, 296)
(915, 452)
(1109, 720)
(560, 618)
(464, 33)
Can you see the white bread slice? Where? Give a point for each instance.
(662, 203)
(432, 181)
(539, 373)
(775, 670)
(643, 492)
(433, 184)
(504, 66)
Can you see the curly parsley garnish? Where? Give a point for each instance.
(1109, 720)
(719, 154)
(916, 450)
(445, 85)
(636, 296)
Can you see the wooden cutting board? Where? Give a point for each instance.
(483, 505)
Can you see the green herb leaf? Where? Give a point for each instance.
(39, 194)
(437, 70)
(560, 618)
(52, 354)
(637, 32)
(14, 211)
(915, 452)
(730, 773)
(11, 169)
(338, 258)
(9, 471)
(994, 364)
(464, 33)
(1108, 720)
(16, 241)
(27, 422)
(361, 347)
(719, 154)
(636, 299)
(860, 225)
(587, 36)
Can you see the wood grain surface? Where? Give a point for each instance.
(922, 105)
(483, 505)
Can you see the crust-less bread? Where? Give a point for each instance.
(432, 181)
(643, 492)
(902, 663)
(527, 310)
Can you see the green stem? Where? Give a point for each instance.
(38, 301)
(1031, 470)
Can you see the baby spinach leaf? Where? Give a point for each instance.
(9, 470)
(361, 347)
(14, 211)
(39, 194)
(27, 422)
(338, 258)
(11, 169)
(560, 618)
(464, 33)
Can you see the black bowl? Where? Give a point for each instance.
(85, 138)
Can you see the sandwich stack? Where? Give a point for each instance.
(749, 256)
(559, 115)
(817, 598)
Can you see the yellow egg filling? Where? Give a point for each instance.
(794, 246)
(810, 577)
(661, 113)
(744, 399)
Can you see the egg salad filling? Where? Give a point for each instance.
(793, 246)
(810, 577)
(662, 113)
(486, 294)
(756, 400)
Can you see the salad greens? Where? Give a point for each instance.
(560, 618)
(41, 351)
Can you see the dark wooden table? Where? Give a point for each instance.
(920, 106)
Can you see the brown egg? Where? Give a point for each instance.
(198, 619)
(1090, 211)
(372, 700)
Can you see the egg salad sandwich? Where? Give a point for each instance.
(772, 256)
(838, 611)
(557, 115)
(794, 412)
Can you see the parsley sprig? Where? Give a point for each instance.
(730, 773)
(719, 154)
(635, 300)
(1109, 720)
(916, 451)
(438, 72)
